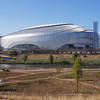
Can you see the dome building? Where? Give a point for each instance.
(52, 36)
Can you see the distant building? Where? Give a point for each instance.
(53, 37)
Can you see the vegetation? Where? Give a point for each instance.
(66, 76)
(49, 97)
(59, 69)
(51, 59)
(74, 56)
(77, 70)
(50, 83)
(91, 61)
(47, 85)
(48, 58)
(86, 61)
(25, 57)
(12, 53)
(34, 60)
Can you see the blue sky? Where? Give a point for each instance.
(18, 14)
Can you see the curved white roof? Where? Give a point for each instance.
(50, 36)
(52, 28)
(69, 25)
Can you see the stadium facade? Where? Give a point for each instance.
(53, 37)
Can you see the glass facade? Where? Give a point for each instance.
(51, 37)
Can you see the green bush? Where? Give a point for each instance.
(74, 56)
(24, 58)
(12, 84)
(12, 53)
(51, 59)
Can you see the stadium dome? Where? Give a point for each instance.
(52, 36)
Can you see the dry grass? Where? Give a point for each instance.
(55, 55)
(8, 74)
(23, 97)
(52, 86)
(58, 56)
(45, 56)
(37, 84)
(36, 76)
(48, 86)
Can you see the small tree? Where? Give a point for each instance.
(15, 53)
(12, 53)
(51, 59)
(77, 70)
(25, 57)
(74, 56)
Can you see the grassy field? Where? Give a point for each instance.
(58, 58)
(88, 61)
(36, 60)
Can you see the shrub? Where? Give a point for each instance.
(74, 56)
(12, 53)
(24, 58)
(51, 59)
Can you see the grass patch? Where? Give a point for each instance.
(92, 75)
(86, 75)
(8, 74)
(88, 61)
(91, 61)
(35, 60)
(66, 76)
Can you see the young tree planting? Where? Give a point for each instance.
(51, 59)
(77, 71)
(25, 57)
(74, 56)
(12, 53)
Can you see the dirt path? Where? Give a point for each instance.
(40, 71)
(27, 72)
(88, 84)
(84, 83)
(17, 76)
(20, 81)
(34, 72)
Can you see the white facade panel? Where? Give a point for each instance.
(50, 36)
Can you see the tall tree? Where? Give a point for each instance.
(77, 71)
